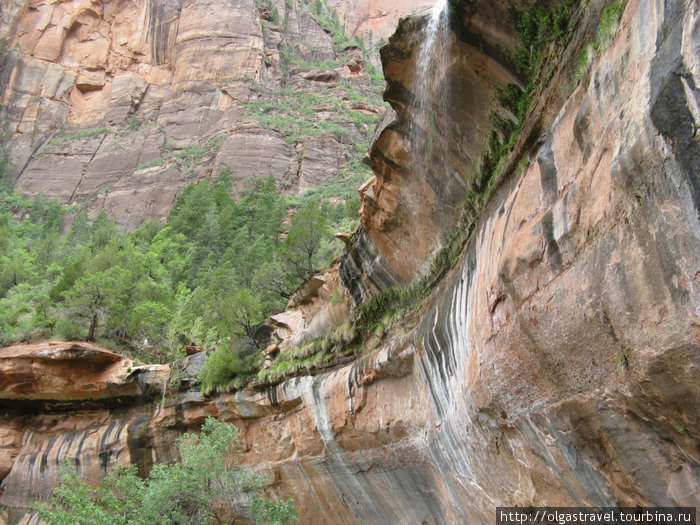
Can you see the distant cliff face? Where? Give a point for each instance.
(376, 18)
(118, 105)
(557, 362)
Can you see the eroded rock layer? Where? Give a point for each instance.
(431, 143)
(118, 105)
(72, 373)
(556, 364)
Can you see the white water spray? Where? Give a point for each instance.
(435, 36)
(426, 86)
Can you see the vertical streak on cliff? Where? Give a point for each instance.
(163, 22)
(443, 337)
(348, 483)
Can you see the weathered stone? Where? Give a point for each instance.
(183, 69)
(70, 372)
(308, 290)
(344, 237)
(556, 363)
(319, 163)
(57, 176)
(90, 82)
(254, 152)
(191, 350)
(374, 17)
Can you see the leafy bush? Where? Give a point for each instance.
(539, 26)
(69, 330)
(206, 486)
(227, 367)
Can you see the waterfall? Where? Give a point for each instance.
(444, 335)
(426, 86)
(432, 49)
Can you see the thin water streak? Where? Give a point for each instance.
(428, 90)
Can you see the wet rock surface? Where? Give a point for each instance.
(556, 364)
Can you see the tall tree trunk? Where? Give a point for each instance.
(93, 327)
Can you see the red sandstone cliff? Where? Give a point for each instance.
(119, 105)
(556, 363)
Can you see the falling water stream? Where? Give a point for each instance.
(443, 336)
(426, 86)
(432, 51)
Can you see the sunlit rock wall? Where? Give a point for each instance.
(98, 96)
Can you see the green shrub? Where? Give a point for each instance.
(80, 135)
(205, 486)
(607, 26)
(225, 367)
(69, 330)
(583, 60)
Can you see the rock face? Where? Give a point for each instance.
(431, 142)
(119, 105)
(71, 373)
(557, 362)
(365, 17)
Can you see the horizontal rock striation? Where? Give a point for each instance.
(72, 374)
(556, 364)
(119, 105)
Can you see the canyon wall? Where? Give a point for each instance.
(375, 19)
(118, 105)
(556, 363)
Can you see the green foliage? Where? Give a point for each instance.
(298, 115)
(158, 161)
(5, 132)
(74, 502)
(187, 158)
(105, 189)
(609, 19)
(206, 486)
(303, 243)
(538, 27)
(583, 60)
(607, 27)
(218, 266)
(69, 137)
(208, 277)
(395, 303)
(314, 355)
(227, 367)
(268, 512)
(542, 32)
(134, 123)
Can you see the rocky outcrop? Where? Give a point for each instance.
(423, 164)
(56, 400)
(72, 374)
(375, 18)
(556, 364)
(118, 105)
(364, 270)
